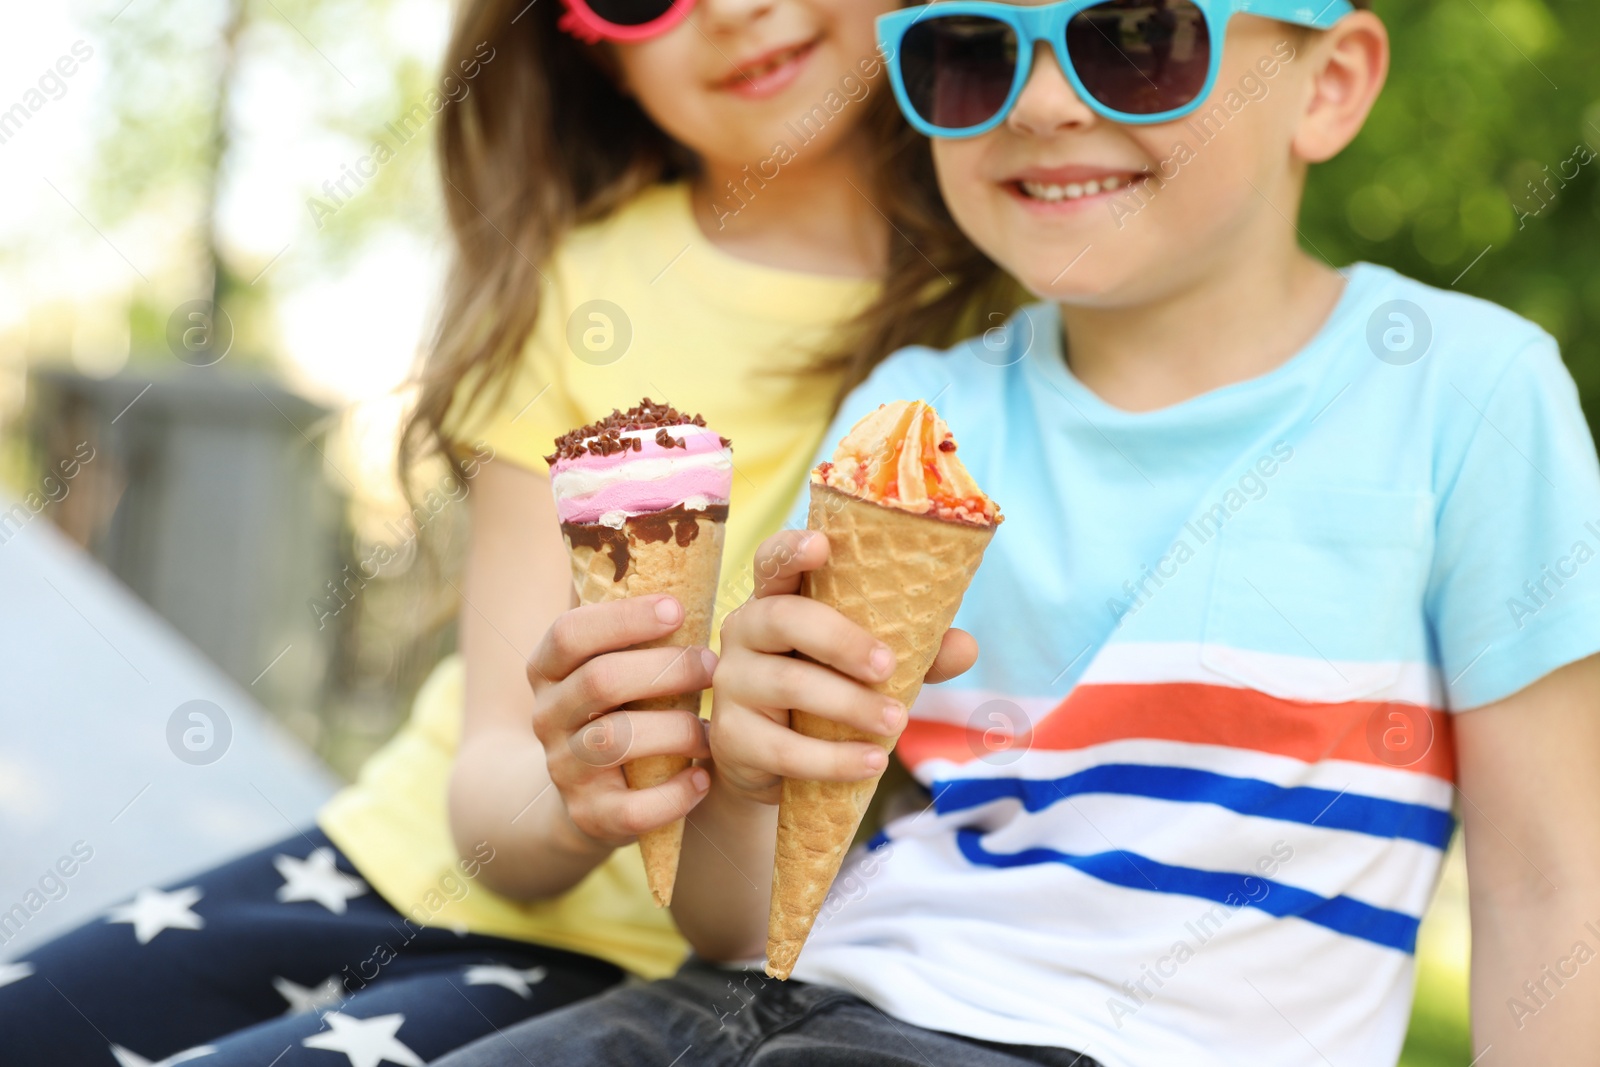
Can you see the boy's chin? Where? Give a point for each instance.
(1070, 279)
(1098, 271)
(1075, 260)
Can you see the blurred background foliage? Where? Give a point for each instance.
(210, 150)
(1474, 151)
(188, 73)
(214, 124)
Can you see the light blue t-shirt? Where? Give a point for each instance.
(1199, 783)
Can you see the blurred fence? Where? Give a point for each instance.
(211, 495)
(205, 493)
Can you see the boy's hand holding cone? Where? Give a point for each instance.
(907, 528)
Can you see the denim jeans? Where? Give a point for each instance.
(710, 1017)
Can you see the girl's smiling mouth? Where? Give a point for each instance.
(769, 73)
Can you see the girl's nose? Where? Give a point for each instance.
(731, 14)
(1048, 103)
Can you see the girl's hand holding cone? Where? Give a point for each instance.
(643, 498)
(587, 667)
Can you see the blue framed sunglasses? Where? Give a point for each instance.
(958, 68)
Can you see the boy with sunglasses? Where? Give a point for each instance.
(1292, 555)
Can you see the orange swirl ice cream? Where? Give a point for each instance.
(904, 456)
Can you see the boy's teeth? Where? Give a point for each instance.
(1071, 191)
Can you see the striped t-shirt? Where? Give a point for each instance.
(1191, 804)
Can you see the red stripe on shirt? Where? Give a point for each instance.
(1381, 733)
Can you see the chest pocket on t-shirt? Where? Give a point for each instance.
(1317, 596)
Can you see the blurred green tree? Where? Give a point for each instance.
(1471, 173)
(169, 133)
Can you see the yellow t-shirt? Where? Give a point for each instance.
(683, 323)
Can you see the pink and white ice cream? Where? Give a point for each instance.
(649, 459)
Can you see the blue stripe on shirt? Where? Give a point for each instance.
(1247, 796)
(1341, 914)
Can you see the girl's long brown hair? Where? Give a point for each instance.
(544, 141)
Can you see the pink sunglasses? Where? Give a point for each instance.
(592, 21)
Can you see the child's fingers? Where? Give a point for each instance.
(795, 624)
(613, 739)
(607, 682)
(583, 633)
(776, 681)
(784, 557)
(775, 749)
(958, 651)
(623, 813)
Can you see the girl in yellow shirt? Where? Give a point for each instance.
(715, 205)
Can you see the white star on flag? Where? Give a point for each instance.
(513, 979)
(365, 1042)
(303, 999)
(133, 1059)
(153, 911)
(14, 972)
(316, 878)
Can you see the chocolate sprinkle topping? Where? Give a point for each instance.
(604, 438)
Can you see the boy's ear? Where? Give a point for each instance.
(1349, 64)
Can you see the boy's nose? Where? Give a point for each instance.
(1048, 103)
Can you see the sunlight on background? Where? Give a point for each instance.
(341, 319)
(158, 153)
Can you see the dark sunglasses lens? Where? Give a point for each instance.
(958, 69)
(1141, 57)
(630, 12)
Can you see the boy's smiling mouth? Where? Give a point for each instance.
(1054, 186)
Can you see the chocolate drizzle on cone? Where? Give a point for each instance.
(658, 527)
(679, 553)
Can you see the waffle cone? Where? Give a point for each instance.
(676, 552)
(901, 577)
